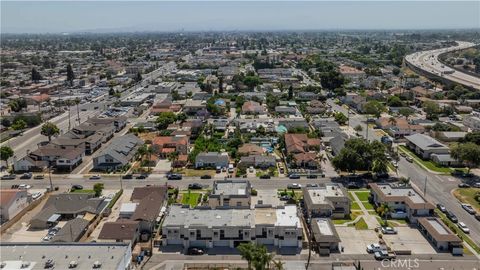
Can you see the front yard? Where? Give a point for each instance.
(191, 198)
(467, 195)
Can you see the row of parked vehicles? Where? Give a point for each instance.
(453, 218)
(25, 176)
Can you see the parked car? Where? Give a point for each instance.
(294, 186)
(8, 177)
(142, 176)
(477, 216)
(195, 251)
(384, 255)
(409, 159)
(250, 169)
(206, 176)
(294, 176)
(265, 176)
(195, 186)
(36, 195)
(441, 207)
(469, 208)
(39, 177)
(463, 185)
(95, 177)
(463, 227)
(312, 176)
(476, 185)
(451, 216)
(24, 186)
(403, 154)
(374, 248)
(388, 230)
(174, 176)
(312, 185)
(47, 238)
(75, 187)
(127, 176)
(27, 175)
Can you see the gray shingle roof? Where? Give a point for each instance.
(123, 148)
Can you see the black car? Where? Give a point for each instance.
(26, 176)
(463, 185)
(452, 217)
(477, 216)
(38, 177)
(353, 186)
(9, 177)
(441, 207)
(174, 176)
(312, 176)
(127, 176)
(75, 187)
(294, 176)
(206, 176)
(142, 176)
(195, 186)
(265, 176)
(195, 251)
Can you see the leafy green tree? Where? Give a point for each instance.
(394, 101)
(98, 188)
(18, 104)
(138, 77)
(473, 137)
(290, 92)
(384, 211)
(256, 255)
(19, 125)
(70, 74)
(468, 153)
(5, 153)
(36, 75)
(358, 128)
(164, 119)
(252, 81)
(247, 251)
(374, 107)
(379, 166)
(49, 129)
(359, 154)
(431, 109)
(406, 112)
(332, 79)
(340, 118)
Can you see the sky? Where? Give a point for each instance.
(129, 16)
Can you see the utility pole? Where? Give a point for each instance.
(425, 188)
(50, 174)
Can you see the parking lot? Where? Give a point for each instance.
(409, 239)
(356, 241)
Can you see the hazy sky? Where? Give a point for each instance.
(70, 16)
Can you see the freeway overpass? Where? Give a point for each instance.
(428, 64)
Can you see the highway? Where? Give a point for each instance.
(428, 62)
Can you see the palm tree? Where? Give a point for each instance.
(149, 152)
(141, 152)
(173, 157)
(392, 121)
(384, 210)
(247, 251)
(277, 264)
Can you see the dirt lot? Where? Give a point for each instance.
(409, 239)
(355, 241)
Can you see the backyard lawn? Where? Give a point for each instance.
(355, 206)
(353, 215)
(363, 195)
(191, 198)
(467, 195)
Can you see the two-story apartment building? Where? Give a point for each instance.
(404, 201)
(424, 146)
(231, 193)
(330, 200)
(227, 227)
(169, 144)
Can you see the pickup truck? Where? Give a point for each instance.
(385, 255)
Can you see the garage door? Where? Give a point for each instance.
(289, 242)
(198, 243)
(221, 243)
(175, 241)
(265, 241)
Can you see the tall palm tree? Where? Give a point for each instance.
(247, 251)
(149, 152)
(173, 157)
(278, 265)
(384, 210)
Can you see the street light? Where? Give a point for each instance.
(50, 174)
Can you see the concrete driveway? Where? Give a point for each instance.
(356, 241)
(409, 238)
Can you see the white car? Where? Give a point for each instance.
(24, 186)
(463, 227)
(47, 238)
(372, 248)
(388, 230)
(250, 169)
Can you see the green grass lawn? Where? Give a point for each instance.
(426, 163)
(191, 198)
(83, 191)
(350, 195)
(363, 195)
(361, 224)
(456, 230)
(467, 195)
(355, 206)
(368, 205)
(353, 215)
(197, 173)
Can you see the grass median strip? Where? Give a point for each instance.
(425, 163)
